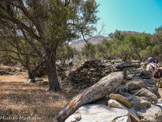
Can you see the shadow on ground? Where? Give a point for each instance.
(29, 102)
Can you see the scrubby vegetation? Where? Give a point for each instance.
(33, 32)
(126, 46)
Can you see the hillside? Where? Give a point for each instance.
(94, 40)
(79, 44)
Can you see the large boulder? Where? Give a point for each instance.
(99, 113)
(154, 90)
(135, 84)
(148, 95)
(115, 104)
(151, 114)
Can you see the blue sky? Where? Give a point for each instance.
(129, 15)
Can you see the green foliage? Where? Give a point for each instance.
(123, 51)
(105, 49)
(117, 35)
(46, 25)
(65, 23)
(157, 49)
(88, 50)
(126, 46)
(66, 52)
(137, 44)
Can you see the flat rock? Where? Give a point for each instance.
(120, 98)
(135, 84)
(99, 113)
(127, 65)
(116, 104)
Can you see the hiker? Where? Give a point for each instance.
(153, 68)
(70, 63)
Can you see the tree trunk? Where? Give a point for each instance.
(102, 88)
(31, 73)
(31, 76)
(51, 72)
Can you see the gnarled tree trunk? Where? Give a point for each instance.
(31, 76)
(51, 72)
(102, 88)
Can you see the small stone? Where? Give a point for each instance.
(78, 117)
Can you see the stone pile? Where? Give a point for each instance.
(88, 73)
(61, 71)
(3, 72)
(60, 68)
(133, 101)
(10, 71)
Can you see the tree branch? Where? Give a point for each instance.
(17, 22)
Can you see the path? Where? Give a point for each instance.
(19, 100)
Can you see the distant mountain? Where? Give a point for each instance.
(129, 32)
(94, 40)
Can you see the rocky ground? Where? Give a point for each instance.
(26, 101)
(137, 95)
(20, 100)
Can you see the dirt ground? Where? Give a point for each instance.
(31, 102)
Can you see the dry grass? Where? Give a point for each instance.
(19, 100)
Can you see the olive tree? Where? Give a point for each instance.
(14, 47)
(50, 23)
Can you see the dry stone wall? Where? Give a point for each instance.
(89, 73)
(137, 94)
